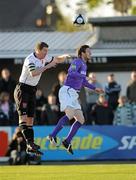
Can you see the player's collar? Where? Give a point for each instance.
(83, 60)
(34, 54)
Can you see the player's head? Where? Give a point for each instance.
(84, 52)
(41, 49)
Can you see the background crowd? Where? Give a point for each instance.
(110, 108)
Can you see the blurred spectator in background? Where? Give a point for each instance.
(91, 96)
(112, 90)
(40, 102)
(123, 113)
(6, 110)
(7, 83)
(51, 111)
(55, 89)
(131, 88)
(134, 112)
(17, 149)
(102, 113)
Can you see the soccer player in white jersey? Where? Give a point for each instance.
(24, 94)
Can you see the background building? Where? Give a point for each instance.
(15, 46)
(114, 48)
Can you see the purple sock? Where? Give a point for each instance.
(60, 125)
(74, 128)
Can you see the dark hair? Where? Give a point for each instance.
(82, 49)
(51, 94)
(111, 75)
(41, 45)
(62, 73)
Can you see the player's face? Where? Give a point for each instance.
(43, 52)
(87, 54)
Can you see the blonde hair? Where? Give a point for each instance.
(41, 45)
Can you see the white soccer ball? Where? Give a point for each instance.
(79, 20)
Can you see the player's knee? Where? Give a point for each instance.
(30, 127)
(23, 119)
(23, 126)
(69, 113)
(69, 116)
(82, 121)
(30, 121)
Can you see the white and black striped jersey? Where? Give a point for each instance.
(31, 62)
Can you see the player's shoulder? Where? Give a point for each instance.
(30, 58)
(47, 59)
(76, 61)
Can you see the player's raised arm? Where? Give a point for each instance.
(56, 60)
(53, 63)
(61, 58)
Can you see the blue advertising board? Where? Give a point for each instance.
(90, 142)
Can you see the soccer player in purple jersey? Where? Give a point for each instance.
(68, 97)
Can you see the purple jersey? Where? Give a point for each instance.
(76, 78)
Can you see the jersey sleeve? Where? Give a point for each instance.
(88, 85)
(30, 64)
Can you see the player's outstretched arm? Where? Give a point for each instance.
(92, 87)
(61, 58)
(56, 60)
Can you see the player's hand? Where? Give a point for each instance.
(99, 90)
(62, 58)
(50, 65)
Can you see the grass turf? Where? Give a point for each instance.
(69, 172)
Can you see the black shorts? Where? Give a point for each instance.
(24, 96)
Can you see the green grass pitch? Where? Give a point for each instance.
(69, 172)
